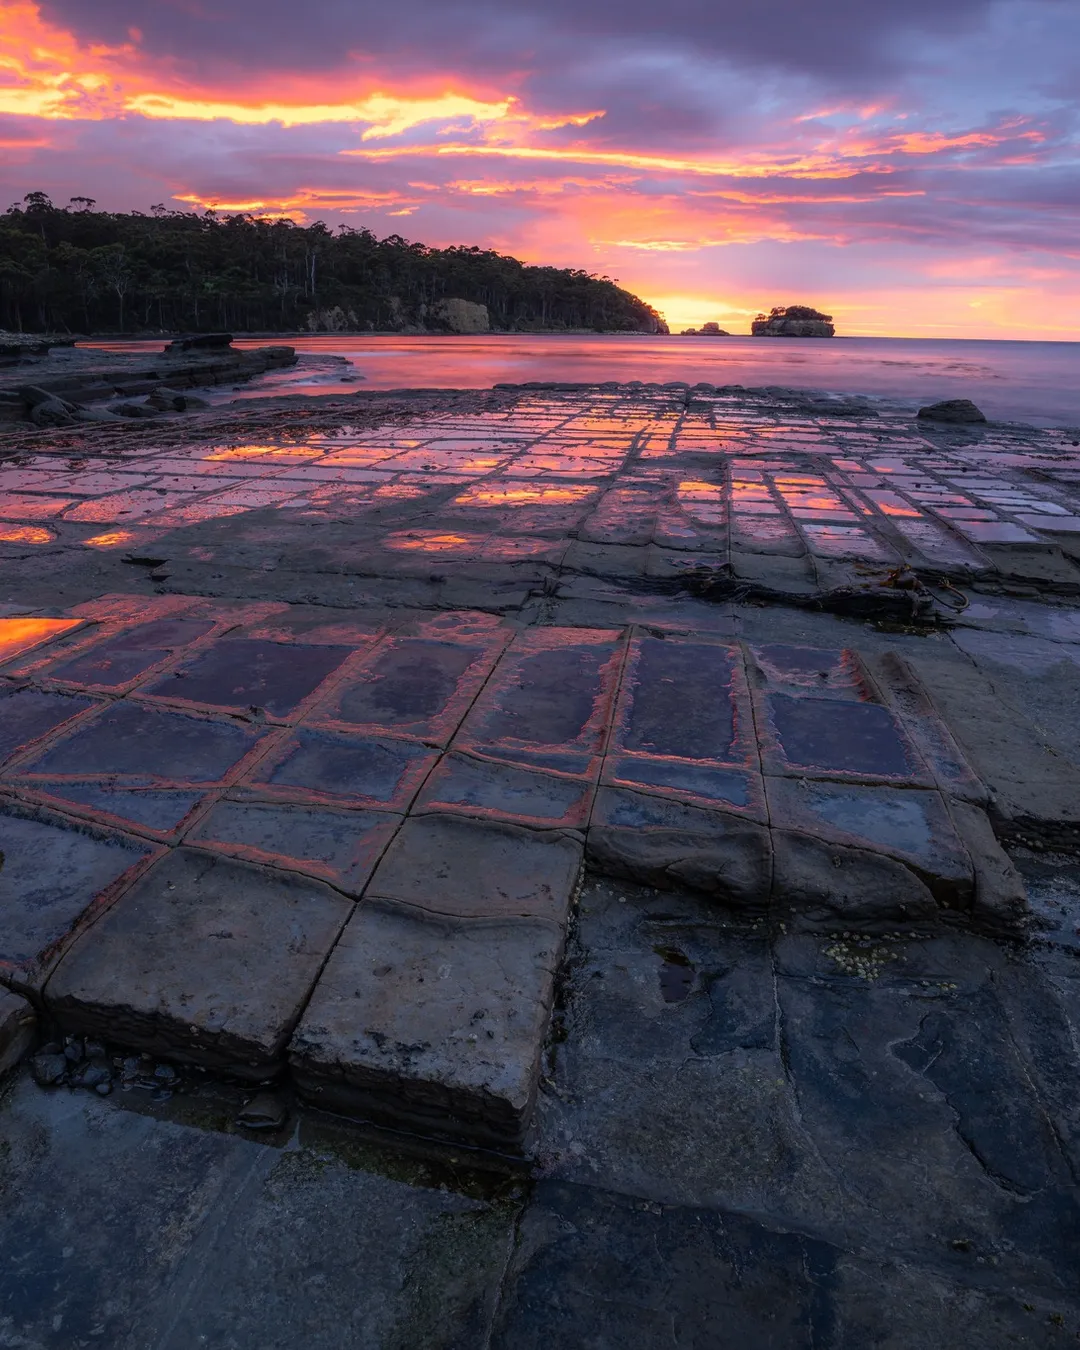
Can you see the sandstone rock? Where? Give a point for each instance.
(18, 1023)
(53, 412)
(951, 410)
(205, 960)
(431, 1023)
(713, 330)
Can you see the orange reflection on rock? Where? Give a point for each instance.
(25, 534)
(19, 635)
(431, 541)
(892, 504)
(399, 492)
(111, 539)
(290, 453)
(693, 490)
(517, 494)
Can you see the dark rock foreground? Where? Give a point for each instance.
(650, 816)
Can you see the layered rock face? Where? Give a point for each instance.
(59, 399)
(793, 321)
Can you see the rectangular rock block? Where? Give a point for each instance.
(57, 875)
(464, 868)
(467, 785)
(341, 847)
(549, 700)
(668, 843)
(911, 825)
(204, 960)
(347, 770)
(27, 715)
(412, 686)
(431, 1024)
(238, 674)
(147, 745)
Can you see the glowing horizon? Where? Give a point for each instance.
(713, 180)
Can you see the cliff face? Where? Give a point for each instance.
(793, 321)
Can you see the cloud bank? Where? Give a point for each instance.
(911, 167)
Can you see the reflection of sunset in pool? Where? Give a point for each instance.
(25, 534)
(20, 635)
(111, 539)
(424, 541)
(517, 494)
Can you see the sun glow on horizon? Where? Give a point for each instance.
(871, 202)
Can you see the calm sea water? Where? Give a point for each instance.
(1036, 382)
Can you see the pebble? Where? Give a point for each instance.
(265, 1111)
(48, 1069)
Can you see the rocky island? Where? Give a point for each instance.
(793, 321)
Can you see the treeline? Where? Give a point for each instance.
(75, 269)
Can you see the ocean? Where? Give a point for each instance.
(1034, 382)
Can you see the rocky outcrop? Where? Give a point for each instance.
(951, 410)
(17, 346)
(793, 321)
(460, 316)
(188, 363)
(706, 330)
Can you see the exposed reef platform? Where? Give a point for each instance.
(513, 769)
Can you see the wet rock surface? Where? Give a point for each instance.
(814, 1139)
(306, 732)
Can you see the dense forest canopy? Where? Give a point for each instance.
(794, 312)
(77, 269)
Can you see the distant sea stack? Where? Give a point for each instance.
(706, 330)
(793, 321)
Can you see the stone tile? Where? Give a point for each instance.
(482, 787)
(430, 1024)
(464, 868)
(57, 876)
(28, 714)
(664, 843)
(835, 738)
(122, 658)
(909, 824)
(341, 847)
(411, 686)
(684, 699)
(204, 960)
(243, 673)
(345, 769)
(931, 737)
(157, 811)
(150, 744)
(701, 783)
(548, 702)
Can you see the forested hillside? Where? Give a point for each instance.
(77, 269)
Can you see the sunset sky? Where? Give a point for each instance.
(912, 166)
